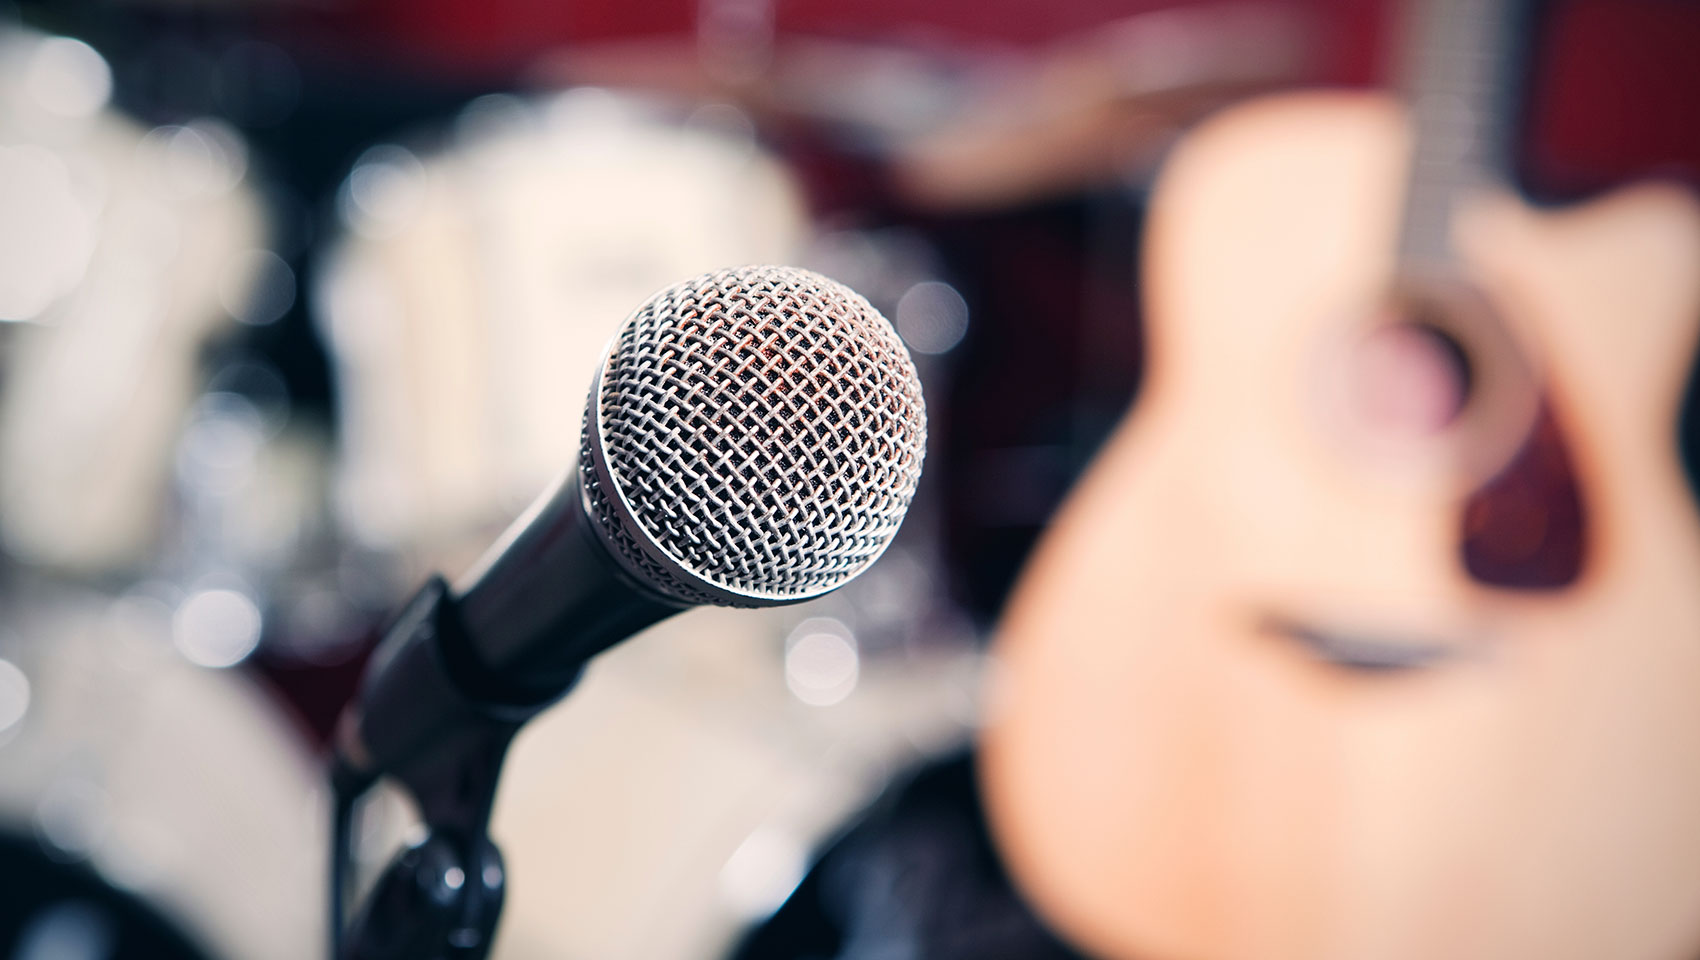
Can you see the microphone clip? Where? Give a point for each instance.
(438, 899)
(442, 896)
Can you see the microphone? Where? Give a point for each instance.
(753, 437)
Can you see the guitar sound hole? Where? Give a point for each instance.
(1523, 528)
(1410, 379)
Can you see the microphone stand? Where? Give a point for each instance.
(439, 898)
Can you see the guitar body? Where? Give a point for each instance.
(1173, 778)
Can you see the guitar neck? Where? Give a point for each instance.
(1461, 76)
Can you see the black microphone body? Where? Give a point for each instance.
(512, 638)
(550, 597)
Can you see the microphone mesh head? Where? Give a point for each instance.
(763, 429)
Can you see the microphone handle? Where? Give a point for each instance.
(544, 601)
(548, 597)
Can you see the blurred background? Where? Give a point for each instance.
(299, 302)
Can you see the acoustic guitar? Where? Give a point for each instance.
(1374, 631)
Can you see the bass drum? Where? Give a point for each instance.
(148, 807)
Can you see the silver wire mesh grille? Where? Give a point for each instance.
(766, 428)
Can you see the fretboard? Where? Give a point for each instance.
(1461, 73)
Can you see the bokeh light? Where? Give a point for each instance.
(14, 697)
(202, 158)
(67, 77)
(821, 662)
(932, 317)
(70, 930)
(216, 627)
(384, 192)
(763, 871)
(257, 287)
(221, 445)
(73, 818)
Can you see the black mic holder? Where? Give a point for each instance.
(439, 898)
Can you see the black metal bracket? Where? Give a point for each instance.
(440, 898)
